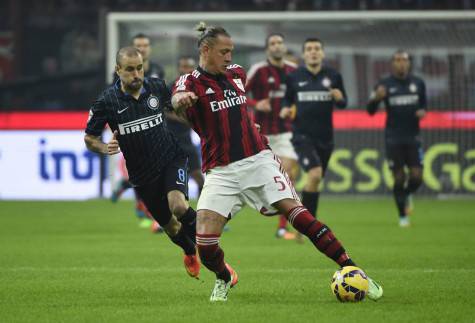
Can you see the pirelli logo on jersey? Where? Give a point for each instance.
(408, 99)
(231, 100)
(140, 124)
(314, 96)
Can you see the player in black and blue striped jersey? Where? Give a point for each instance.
(404, 97)
(315, 90)
(134, 108)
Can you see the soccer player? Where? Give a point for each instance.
(404, 97)
(151, 69)
(181, 129)
(266, 83)
(134, 110)
(240, 168)
(315, 90)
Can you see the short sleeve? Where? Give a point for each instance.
(97, 117)
(184, 84)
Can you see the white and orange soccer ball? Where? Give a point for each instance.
(350, 284)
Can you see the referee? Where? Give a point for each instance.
(134, 110)
(315, 90)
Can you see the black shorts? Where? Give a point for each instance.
(310, 154)
(193, 155)
(154, 195)
(404, 154)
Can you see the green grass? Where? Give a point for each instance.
(89, 262)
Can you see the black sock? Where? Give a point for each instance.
(224, 275)
(183, 240)
(400, 198)
(310, 201)
(189, 222)
(348, 262)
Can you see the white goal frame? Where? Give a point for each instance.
(114, 18)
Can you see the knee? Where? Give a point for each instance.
(178, 206)
(416, 179)
(172, 227)
(315, 176)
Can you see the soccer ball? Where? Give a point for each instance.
(349, 284)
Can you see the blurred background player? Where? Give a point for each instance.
(151, 69)
(404, 97)
(315, 90)
(180, 128)
(266, 83)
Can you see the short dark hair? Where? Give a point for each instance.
(311, 40)
(266, 45)
(400, 52)
(140, 35)
(128, 51)
(187, 57)
(209, 34)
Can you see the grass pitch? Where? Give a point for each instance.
(89, 262)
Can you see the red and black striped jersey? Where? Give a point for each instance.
(220, 116)
(269, 81)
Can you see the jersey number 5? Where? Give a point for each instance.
(278, 180)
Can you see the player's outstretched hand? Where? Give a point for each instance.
(285, 112)
(113, 144)
(184, 100)
(421, 113)
(263, 105)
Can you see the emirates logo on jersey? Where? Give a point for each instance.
(232, 99)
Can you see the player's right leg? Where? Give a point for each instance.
(209, 229)
(218, 199)
(154, 197)
(395, 157)
(310, 161)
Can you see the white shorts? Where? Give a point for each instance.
(282, 146)
(258, 181)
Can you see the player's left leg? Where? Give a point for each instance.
(414, 161)
(322, 238)
(176, 188)
(154, 198)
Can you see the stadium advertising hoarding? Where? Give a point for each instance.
(42, 156)
(47, 165)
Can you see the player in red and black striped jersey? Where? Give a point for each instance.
(266, 83)
(239, 167)
(226, 131)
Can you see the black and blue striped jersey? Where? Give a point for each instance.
(144, 138)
